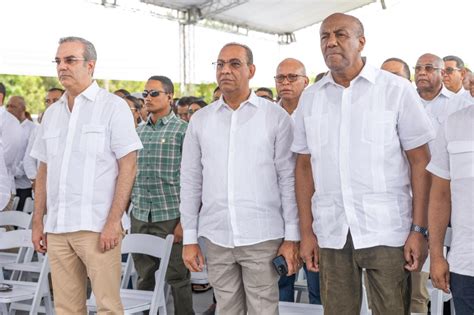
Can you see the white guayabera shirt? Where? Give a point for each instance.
(453, 159)
(21, 180)
(239, 164)
(10, 138)
(81, 149)
(356, 137)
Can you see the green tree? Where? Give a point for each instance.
(34, 88)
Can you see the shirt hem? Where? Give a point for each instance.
(240, 243)
(435, 170)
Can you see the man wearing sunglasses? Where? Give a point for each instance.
(86, 145)
(237, 162)
(454, 72)
(433, 94)
(155, 194)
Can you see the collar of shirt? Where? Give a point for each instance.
(90, 93)
(163, 120)
(368, 73)
(443, 94)
(252, 100)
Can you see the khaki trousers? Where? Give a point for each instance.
(388, 283)
(243, 278)
(74, 257)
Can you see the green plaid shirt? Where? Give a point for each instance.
(156, 188)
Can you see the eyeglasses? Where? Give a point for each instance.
(68, 60)
(292, 77)
(450, 70)
(153, 93)
(233, 63)
(428, 68)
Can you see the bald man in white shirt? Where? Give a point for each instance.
(361, 137)
(87, 147)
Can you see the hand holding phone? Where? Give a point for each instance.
(280, 265)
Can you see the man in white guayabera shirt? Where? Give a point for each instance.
(86, 145)
(452, 200)
(236, 160)
(10, 144)
(361, 136)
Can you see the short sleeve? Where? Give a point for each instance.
(300, 144)
(124, 138)
(439, 164)
(38, 150)
(414, 125)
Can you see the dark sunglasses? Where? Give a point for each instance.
(153, 93)
(450, 70)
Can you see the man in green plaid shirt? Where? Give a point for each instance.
(155, 195)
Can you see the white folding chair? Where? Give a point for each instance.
(288, 308)
(438, 297)
(19, 220)
(29, 205)
(301, 285)
(135, 301)
(16, 200)
(24, 295)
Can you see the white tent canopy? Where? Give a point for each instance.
(134, 41)
(268, 16)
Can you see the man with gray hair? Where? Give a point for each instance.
(86, 146)
(453, 74)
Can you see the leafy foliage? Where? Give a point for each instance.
(34, 88)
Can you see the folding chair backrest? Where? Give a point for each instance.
(29, 205)
(15, 218)
(15, 239)
(153, 246)
(22, 238)
(16, 201)
(448, 237)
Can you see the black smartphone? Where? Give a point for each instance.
(280, 265)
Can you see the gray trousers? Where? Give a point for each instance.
(243, 278)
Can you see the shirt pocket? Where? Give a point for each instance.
(51, 137)
(461, 159)
(324, 214)
(92, 139)
(317, 133)
(378, 127)
(382, 213)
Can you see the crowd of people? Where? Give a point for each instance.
(357, 171)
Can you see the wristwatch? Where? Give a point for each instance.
(420, 229)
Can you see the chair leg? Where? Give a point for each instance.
(162, 310)
(48, 305)
(4, 309)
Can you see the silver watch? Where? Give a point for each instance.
(420, 229)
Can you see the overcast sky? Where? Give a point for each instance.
(137, 45)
